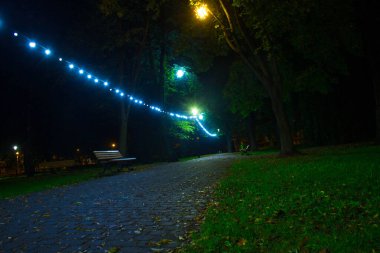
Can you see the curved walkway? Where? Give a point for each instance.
(141, 211)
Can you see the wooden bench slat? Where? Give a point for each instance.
(123, 159)
(107, 155)
(111, 156)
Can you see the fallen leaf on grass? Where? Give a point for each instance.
(159, 243)
(164, 241)
(156, 250)
(114, 250)
(242, 242)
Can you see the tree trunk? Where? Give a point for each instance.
(123, 138)
(126, 106)
(252, 131)
(124, 111)
(29, 167)
(229, 143)
(280, 115)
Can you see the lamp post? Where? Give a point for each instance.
(17, 153)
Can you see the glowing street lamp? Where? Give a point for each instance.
(15, 147)
(180, 73)
(202, 11)
(194, 111)
(113, 145)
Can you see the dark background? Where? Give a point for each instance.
(64, 112)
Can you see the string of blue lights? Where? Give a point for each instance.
(33, 45)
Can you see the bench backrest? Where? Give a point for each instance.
(107, 155)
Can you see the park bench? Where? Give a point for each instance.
(244, 150)
(112, 157)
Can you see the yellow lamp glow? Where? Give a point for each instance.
(201, 11)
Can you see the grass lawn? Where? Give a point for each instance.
(13, 186)
(327, 200)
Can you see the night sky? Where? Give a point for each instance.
(64, 111)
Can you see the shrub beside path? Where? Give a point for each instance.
(141, 211)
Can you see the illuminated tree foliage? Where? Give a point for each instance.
(287, 44)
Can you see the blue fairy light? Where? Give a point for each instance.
(180, 73)
(205, 130)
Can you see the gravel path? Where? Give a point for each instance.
(140, 211)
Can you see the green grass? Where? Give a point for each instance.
(14, 186)
(327, 200)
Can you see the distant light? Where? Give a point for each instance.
(81, 71)
(32, 44)
(140, 102)
(89, 76)
(15, 147)
(96, 80)
(200, 117)
(131, 98)
(71, 66)
(172, 114)
(47, 52)
(180, 73)
(60, 59)
(122, 94)
(15, 34)
(105, 83)
(117, 90)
